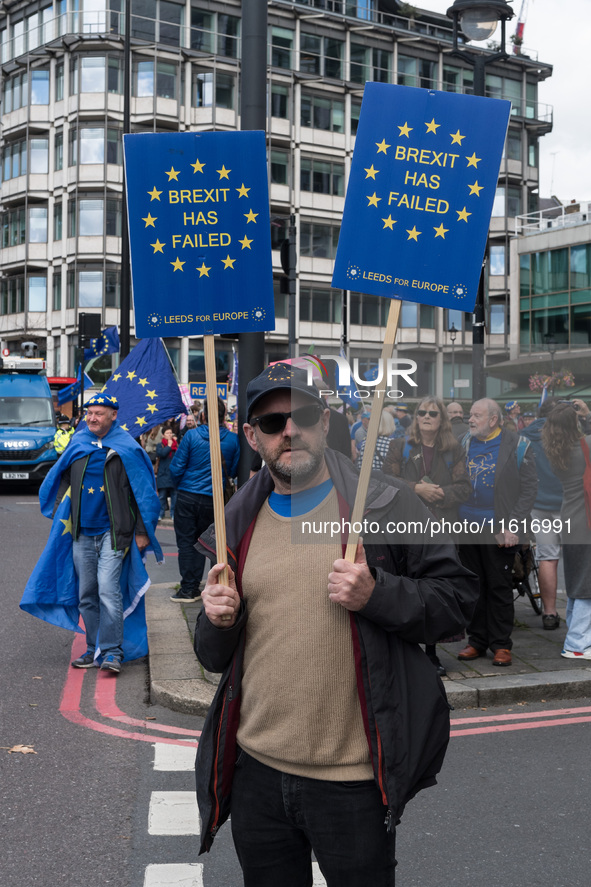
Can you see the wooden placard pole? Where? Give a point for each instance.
(372, 432)
(217, 478)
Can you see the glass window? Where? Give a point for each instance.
(171, 19)
(224, 90)
(322, 113)
(57, 220)
(455, 317)
(113, 226)
(497, 260)
(115, 76)
(580, 266)
(90, 217)
(317, 240)
(549, 322)
(228, 35)
(524, 275)
(355, 112)
(359, 71)
(201, 30)
(281, 47)
(580, 326)
(382, 60)
(279, 167)
(497, 319)
(37, 293)
(498, 210)
(92, 74)
(409, 315)
(427, 317)
(514, 202)
(92, 144)
(531, 100)
(203, 89)
(40, 87)
(333, 51)
(39, 155)
(71, 290)
(57, 290)
(114, 147)
(90, 289)
(166, 77)
(59, 150)
(37, 224)
(533, 151)
(143, 20)
(59, 82)
(549, 271)
(143, 79)
(112, 289)
(408, 69)
(320, 305)
(322, 177)
(513, 145)
(279, 101)
(310, 52)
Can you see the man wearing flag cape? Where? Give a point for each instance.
(102, 497)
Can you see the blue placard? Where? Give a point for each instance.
(423, 180)
(199, 231)
(198, 390)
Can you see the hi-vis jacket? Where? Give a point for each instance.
(422, 593)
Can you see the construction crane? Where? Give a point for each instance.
(519, 30)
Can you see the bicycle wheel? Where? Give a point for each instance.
(531, 587)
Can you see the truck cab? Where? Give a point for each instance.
(27, 421)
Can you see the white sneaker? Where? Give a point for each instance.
(572, 654)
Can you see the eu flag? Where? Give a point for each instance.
(71, 392)
(145, 387)
(107, 343)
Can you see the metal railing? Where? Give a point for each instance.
(555, 217)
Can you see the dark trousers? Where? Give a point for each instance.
(492, 622)
(278, 820)
(193, 513)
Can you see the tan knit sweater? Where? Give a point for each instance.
(300, 709)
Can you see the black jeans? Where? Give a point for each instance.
(492, 622)
(278, 820)
(193, 513)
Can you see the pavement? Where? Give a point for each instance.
(538, 672)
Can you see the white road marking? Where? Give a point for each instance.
(173, 757)
(189, 874)
(173, 813)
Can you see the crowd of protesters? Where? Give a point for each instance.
(518, 475)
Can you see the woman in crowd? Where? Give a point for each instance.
(386, 429)
(166, 486)
(433, 464)
(567, 449)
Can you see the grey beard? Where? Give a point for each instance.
(301, 472)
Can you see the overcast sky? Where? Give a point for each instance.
(560, 33)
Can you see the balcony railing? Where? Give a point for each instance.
(555, 217)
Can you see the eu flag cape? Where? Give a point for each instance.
(51, 593)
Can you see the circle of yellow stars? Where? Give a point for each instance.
(474, 189)
(150, 220)
(150, 393)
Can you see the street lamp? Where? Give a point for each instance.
(478, 20)
(552, 345)
(452, 335)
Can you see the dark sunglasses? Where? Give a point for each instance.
(432, 413)
(273, 423)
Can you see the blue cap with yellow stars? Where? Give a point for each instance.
(103, 400)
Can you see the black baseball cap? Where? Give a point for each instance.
(279, 377)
